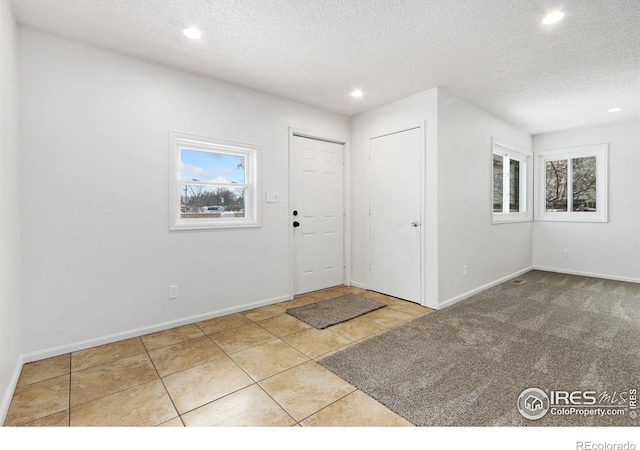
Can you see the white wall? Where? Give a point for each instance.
(10, 361)
(415, 110)
(97, 253)
(467, 236)
(610, 250)
(458, 194)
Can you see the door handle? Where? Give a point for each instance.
(296, 224)
(415, 224)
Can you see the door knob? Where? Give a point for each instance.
(415, 224)
(296, 224)
(295, 213)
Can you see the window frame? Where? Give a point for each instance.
(601, 153)
(179, 141)
(524, 158)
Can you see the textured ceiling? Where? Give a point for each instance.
(494, 53)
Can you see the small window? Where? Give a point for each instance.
(509, 186)
(572, 184)
(213, 183)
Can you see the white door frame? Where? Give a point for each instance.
(346, 171)
(423, 235)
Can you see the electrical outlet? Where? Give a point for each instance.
(567, 253)
(465, 270)
(173, 292)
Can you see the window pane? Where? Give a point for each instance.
(584, 184)
(196, 165)
(498, 174)
(556, 185)
(514, 186)
(198, 202)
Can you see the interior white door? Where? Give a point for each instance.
(318, 214)
(395, 214)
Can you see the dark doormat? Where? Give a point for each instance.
(336, 310)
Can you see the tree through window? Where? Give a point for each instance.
(573, 186)
(214, 184)
(509, 185)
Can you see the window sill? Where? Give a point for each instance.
(180, 226)
(498, 219)
(576, 217)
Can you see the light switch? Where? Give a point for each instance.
(273, 197)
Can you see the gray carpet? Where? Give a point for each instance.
(336, 310)
(466, 365)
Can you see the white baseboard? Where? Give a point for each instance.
(587, 274)
(475, 291)
(8, 394)
(358, 285)
(68, 348)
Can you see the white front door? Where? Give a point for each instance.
(395, 214)
(317, 214)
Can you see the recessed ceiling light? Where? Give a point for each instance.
(553, 17)
(192, 33)
(357, 93)
(615, 109)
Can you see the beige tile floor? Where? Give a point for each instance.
(255, 368)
